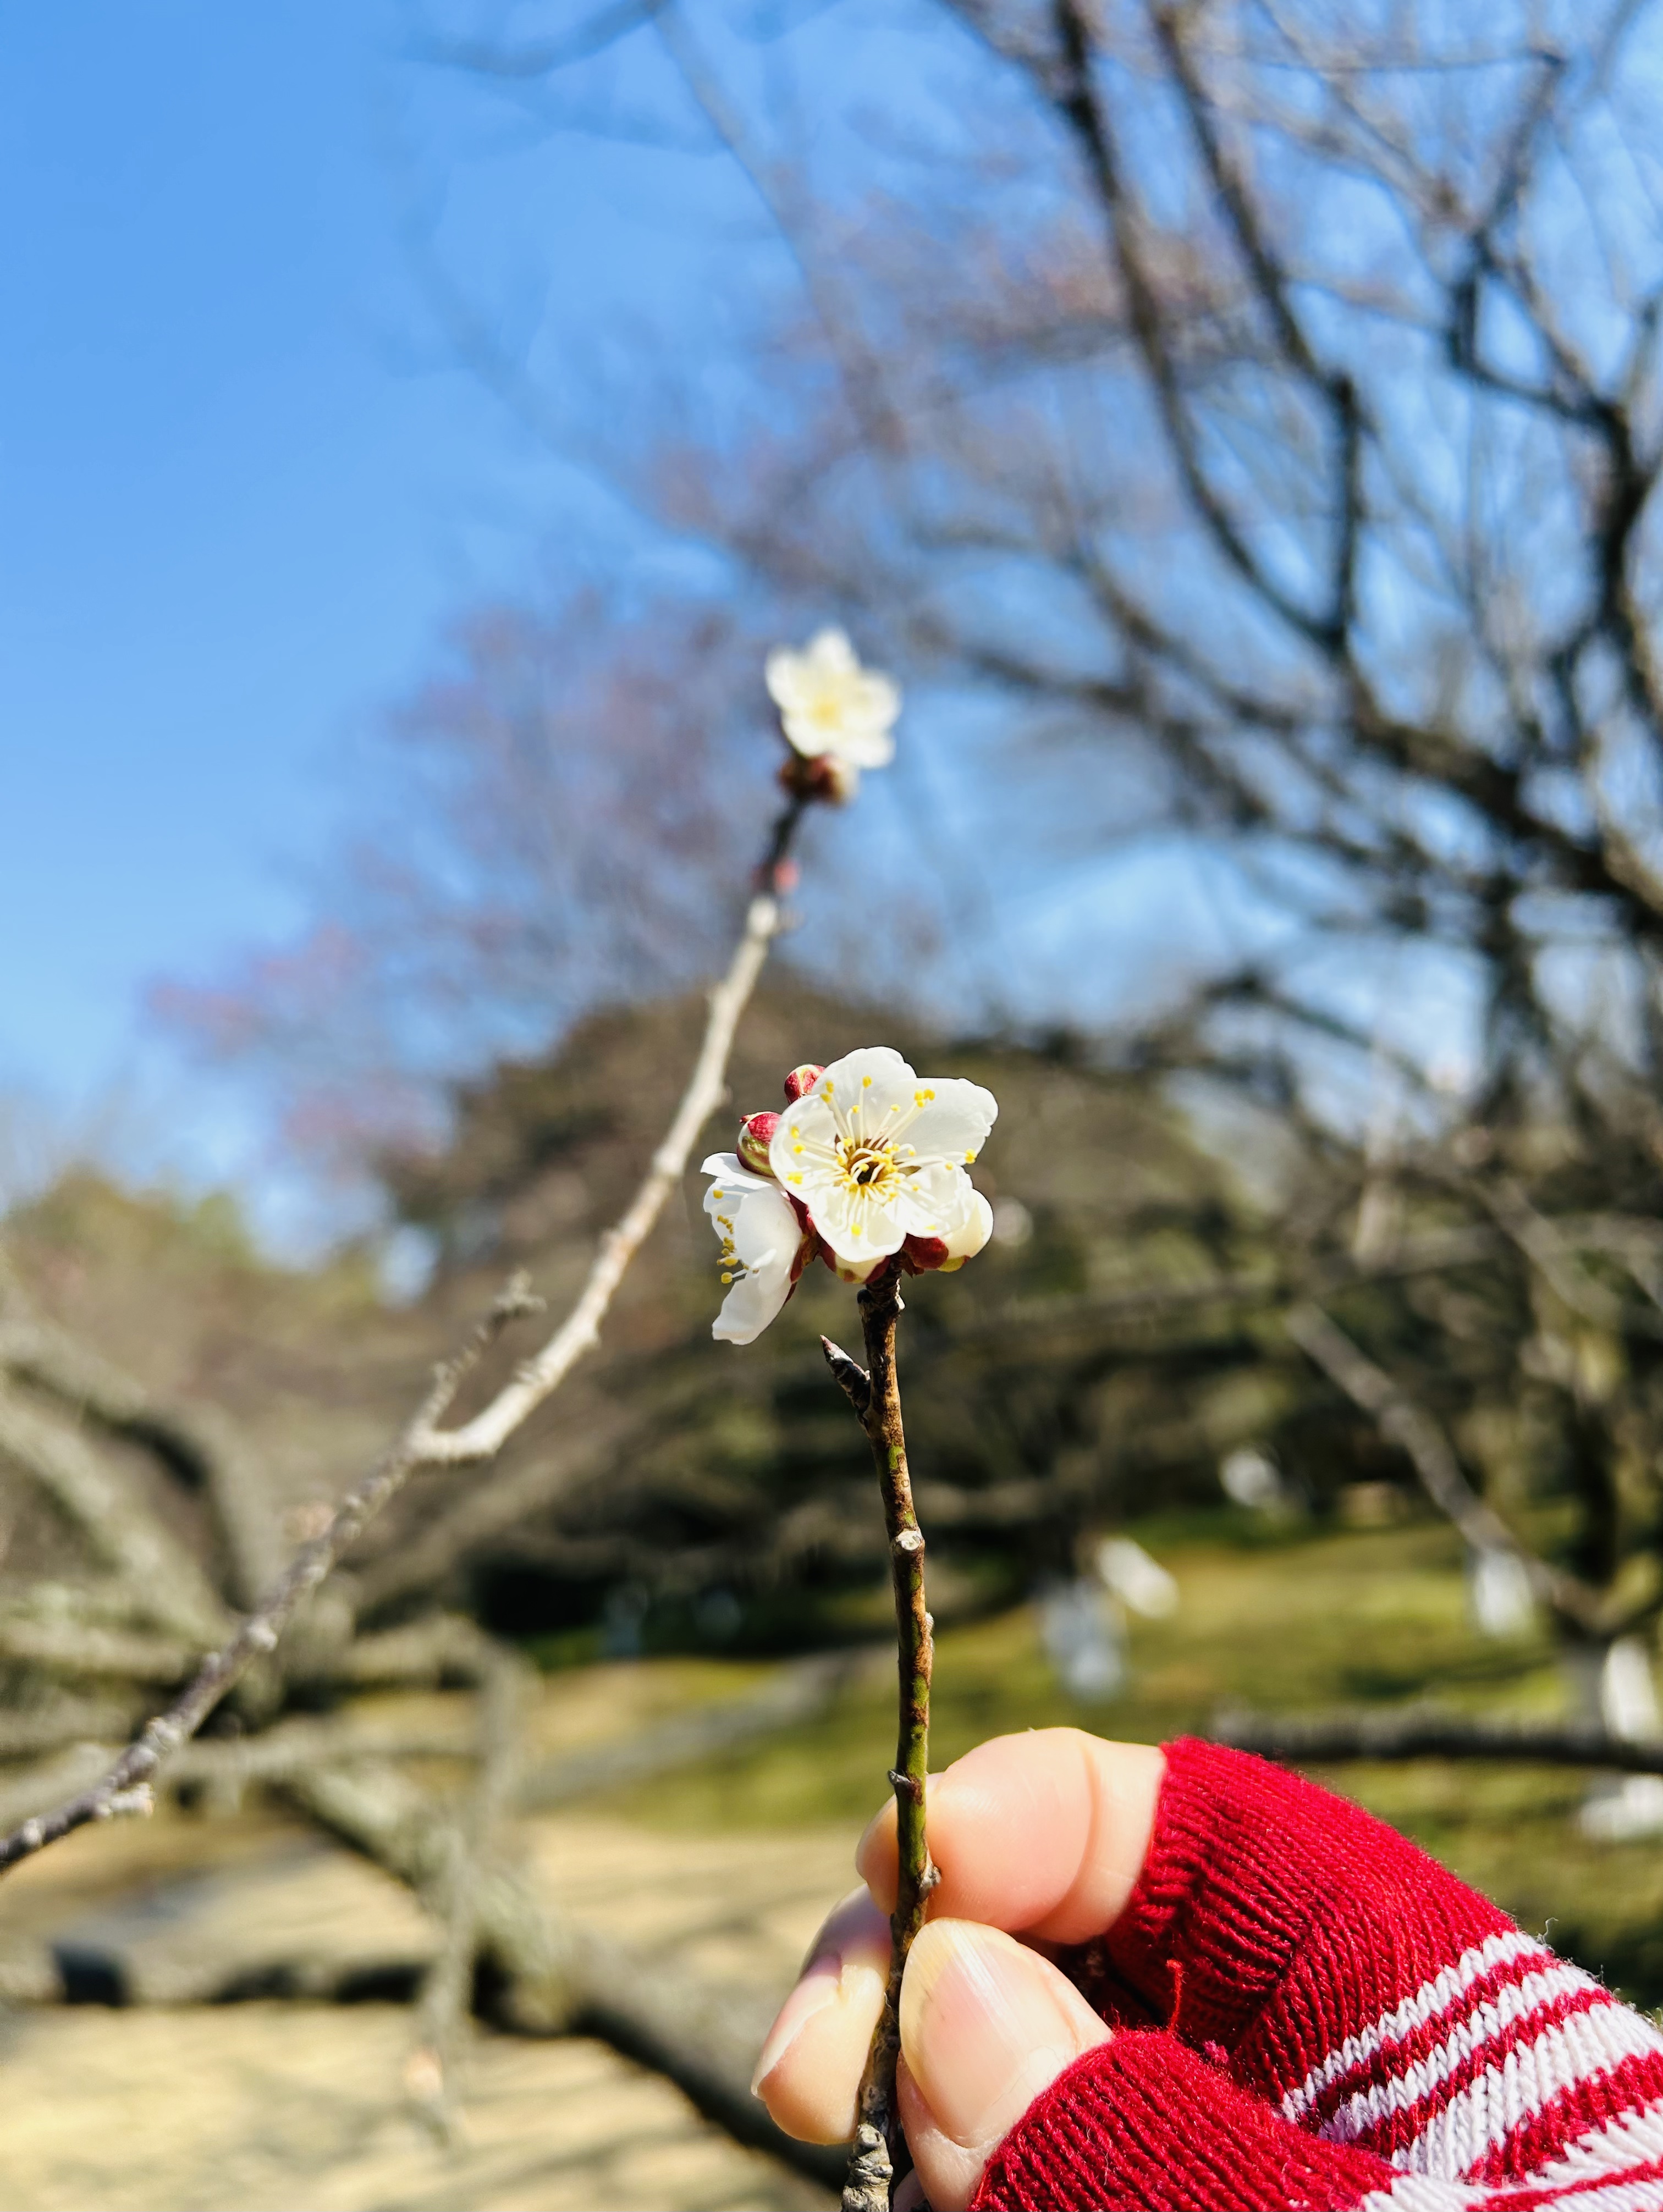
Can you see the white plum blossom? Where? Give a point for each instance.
(878, 1154)
(762, 1246)
(832, 710)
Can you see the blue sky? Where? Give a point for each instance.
(240, 488)
(244, 483)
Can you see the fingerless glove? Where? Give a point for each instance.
(1313, 2014)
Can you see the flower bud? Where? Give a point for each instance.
(828, 777)
(922, 1255)
(801, 1081)
(756, 1134)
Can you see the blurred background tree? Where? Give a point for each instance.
(1237, 425)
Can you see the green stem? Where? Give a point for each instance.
(879, 2158)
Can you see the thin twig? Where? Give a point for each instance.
(1413, 1429)
(1542, 1244)
(879, 2149)
(423, 1443)
(486, 1433)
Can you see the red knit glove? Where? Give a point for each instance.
(1340, 2025)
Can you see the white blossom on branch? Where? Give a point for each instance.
(764, 1245)
(839, 716)
(866, 1166)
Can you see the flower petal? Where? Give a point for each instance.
(856, 1227)
(729, 1166)
(760, 1236)
(829, 653)
(754, 1300)
(861, 1086)
(801, 1152)
(865, 745)
(952, 1120)
(936, 1200)
(966, 1242)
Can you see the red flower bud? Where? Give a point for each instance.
(802, 1080)
(755, 1135)
(922, 1255)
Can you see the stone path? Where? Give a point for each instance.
(185, 2099)
(271, 2107)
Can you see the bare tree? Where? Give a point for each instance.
(1250, 412)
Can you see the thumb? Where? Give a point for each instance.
(986, 2025)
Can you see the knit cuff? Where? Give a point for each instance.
(1255, 1883)
(1143, 2125)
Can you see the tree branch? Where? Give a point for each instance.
(422, 1442)
(562, 1977)
(1073, 95)
(1428, 1732)
(1415, 1432)
(197, 1443)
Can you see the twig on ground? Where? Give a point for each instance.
(124, 1536)
(65, 1721)
(126, 1787)
(86, 1649)
(445, 1648)
(423, 1442)
(197, 1443)
(1429, 1732)
(560, 1978)
(794, 1695)
(274, 1757)
(874, 1393)
(447, 1989)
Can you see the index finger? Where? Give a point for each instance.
(1042, 1834)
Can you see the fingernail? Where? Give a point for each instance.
(817, 1988)
(987, 2024)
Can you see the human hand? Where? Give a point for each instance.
(1039, 1836)
(1291, 2004)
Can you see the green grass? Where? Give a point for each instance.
(1281, 1622)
